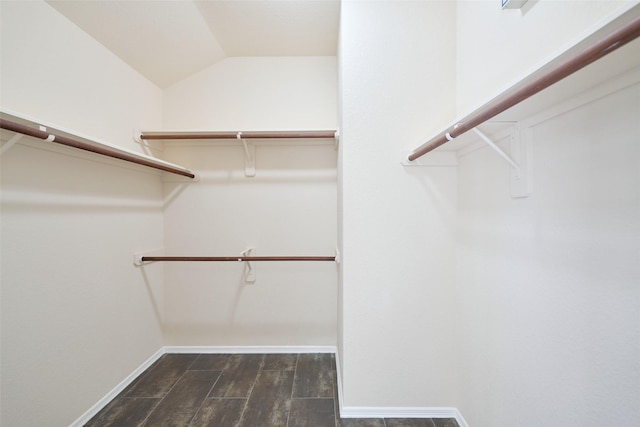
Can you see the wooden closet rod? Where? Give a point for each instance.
(507, 100)
(320, 134)
(64, 140)
(238, 258)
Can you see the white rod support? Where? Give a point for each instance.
(497, 149)
(249, 156)
(249, 272)
(137, 257)
(6, 146)
(137, 260)
(137, 136)
(246, 150)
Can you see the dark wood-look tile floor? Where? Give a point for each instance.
(239, 390)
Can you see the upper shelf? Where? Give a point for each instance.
(20, 125)
(273, 137)
(616, 58)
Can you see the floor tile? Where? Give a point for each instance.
(361, 422)
(161, 376)
(312, 413)
(314, 376)
(210, 362)
(445, 422)
(409, 422)
(270, 398)
(219, 412)
(239, 375)
(285, 362)
(239, 390)
(124, 411)
(184, 399)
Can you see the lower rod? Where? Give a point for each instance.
(238, 258)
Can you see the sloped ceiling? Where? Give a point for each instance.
(168, 40)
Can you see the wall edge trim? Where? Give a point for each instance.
(104, 401)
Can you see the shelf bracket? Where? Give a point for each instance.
(520, 159)
(249, 157)
(497, 149)
(249, 272)
(7, 145)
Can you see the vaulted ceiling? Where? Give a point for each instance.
(168, 40)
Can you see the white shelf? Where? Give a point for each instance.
(612, 72)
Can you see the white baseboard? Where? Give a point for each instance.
(345, 411)
(397, 412)
(100, 404)
(392, 412)
(402, 412)
(460, 419)
(268, 349)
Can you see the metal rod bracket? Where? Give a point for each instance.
(497, 149)
(249, 272)
(7, 145)
(520, 159)
(249, 157)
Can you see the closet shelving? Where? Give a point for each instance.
(15, 126)
(247, 139)
(609, 52)
(297, 137)
(253, 135)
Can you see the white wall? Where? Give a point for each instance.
(496, 47)
(397, 77)
(288, 208)
(547, 290)
(77, 316)
(547, 286)
(69, 79)
(264, 93)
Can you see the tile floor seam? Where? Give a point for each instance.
(311, 398)
(151, 412)
(192, 362)
(208, 396)
(255, 381)
(295, 375)
(136, 397)
(244, 409)
(293, 384)
(205, 397)
(288, 412)
(165, 395)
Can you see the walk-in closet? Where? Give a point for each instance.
(320, 213)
